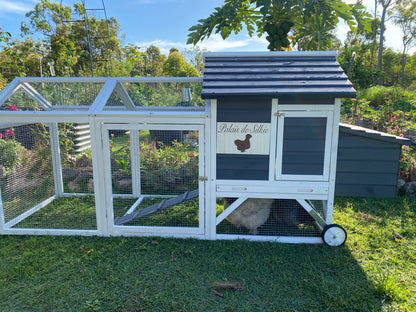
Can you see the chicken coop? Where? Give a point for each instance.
(247, 151)
(274, 150)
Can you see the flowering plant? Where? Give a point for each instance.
(9, 153)
(164, 169)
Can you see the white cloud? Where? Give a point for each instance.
(15, 7)
(163, 45)
(213, 44)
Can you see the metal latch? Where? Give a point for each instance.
(202, 178)
(279, 114)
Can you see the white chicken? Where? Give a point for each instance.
(251, 214)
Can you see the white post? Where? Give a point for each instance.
(273, 141)
(202, 202)
(211, 167)
(2, 220)
(135, 162)
(99, 176)
(333, 165)
(56, 159)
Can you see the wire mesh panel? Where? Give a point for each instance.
(121, 175)
(76, 162)
(159, 168)
(267, 217)
(169, 162)
(74, 94)
(165, 94)
(30, 180)
(64, 213)
(26, 169)
(21, 101)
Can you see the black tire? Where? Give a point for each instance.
(334, 235)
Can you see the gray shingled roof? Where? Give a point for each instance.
(373, 134)
(274, 74)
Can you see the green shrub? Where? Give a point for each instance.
(379, 96)
(164, 169)
(169, 169)
(9, 153)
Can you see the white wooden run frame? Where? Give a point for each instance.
(102, 119)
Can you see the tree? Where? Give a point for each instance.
(391, 65)
(143, 64)
(406, 18)
(313, 19)
(195, 55)
(385, 5)
(367, 36)
(177, 66)
(98, 41)
(77, 45)
(155, 60)
(317, 34)
(11, 61)
(47, 18)
(361, 74)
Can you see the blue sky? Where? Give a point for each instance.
(164, 23)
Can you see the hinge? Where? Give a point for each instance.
(202, 178)
(279, 114)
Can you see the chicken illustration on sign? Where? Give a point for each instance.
(241, 137)
(243, 145)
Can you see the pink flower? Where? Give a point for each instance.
(353, 100)
(8, 132)
(154, 144)
(12, 108)
(140, 148)
(146, 141)
(393, 118)
(385, 93)
(1, 135)
(191, 155)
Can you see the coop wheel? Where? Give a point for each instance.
(334, 235)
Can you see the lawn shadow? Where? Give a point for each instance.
(282, 277)
(161, 274)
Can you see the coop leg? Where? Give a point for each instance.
(332, 234)
(230, 209)
(325, 209)
(320, 222)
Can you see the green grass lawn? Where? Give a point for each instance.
(372, 272)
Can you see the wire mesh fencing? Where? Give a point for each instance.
(26, 170)
(268, 217)
(32, 192)
(160, 173)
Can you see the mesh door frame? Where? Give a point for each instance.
(180, 232)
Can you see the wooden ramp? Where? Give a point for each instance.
(164, 204)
